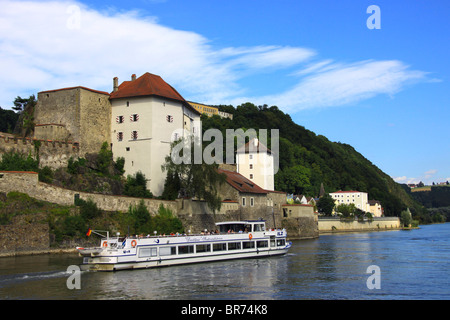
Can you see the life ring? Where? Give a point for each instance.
(250, 236)
(105, 244)
(133, 243)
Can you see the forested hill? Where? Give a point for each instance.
(306, 160)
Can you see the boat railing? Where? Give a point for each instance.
(148, 236)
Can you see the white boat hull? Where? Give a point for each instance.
(114, 265)
(150, 252)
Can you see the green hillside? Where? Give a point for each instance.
(306, 160)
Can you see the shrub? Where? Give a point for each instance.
(88, 209)
(136, 186)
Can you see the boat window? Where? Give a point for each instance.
(234, 245)
(248, 244)
(262, 244)
(147, 252)
(235, 228)
(258, 227)
(167, 251)
(281, 242)
(185, 249)
(219, 246)
(203, 248)
(272, 241)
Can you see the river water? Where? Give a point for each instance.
(409, 265)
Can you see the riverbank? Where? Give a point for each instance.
(336, 225)
(37, 252)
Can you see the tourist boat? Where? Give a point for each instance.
(232, 240)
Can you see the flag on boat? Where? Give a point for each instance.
(89, 232)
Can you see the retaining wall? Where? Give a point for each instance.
(327, 225)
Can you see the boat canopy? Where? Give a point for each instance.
(241, 226)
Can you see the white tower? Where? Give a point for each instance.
(255, 162)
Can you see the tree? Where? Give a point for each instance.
(195, 180)
(406, 218)
(8, 120)
(347, 210)
(25, 107)
(293, 179)
(136, 186)
(325, 205)
(105, 158)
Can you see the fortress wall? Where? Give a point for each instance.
(54, 154)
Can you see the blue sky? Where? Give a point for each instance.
(384, 91)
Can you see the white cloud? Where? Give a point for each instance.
(334, 85)
(406, 180)
(426, 177)
(53, 44)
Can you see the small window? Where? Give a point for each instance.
(250, 156)
(219, 246)
(251, 175)
(251, 166)
(281, 242)
(167, 251)
(203, 248)
(119, 136)
(252, 202)
(147, 252)
(243, 201)
(262, 244)
(127, 148)
(128, 103)
(169, 118)
(185, 249)
(134, 135)
(134, 117)
(234, 245)
(248, 245)
(119, 119)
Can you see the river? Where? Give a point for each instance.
(406, 265)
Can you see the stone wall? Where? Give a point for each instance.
(54, 154)
(327, 225)
(27, 182)
(301, 227)
(16, 239)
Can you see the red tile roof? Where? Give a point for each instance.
(146, 85)
(241, 183)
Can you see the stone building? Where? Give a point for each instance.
(75, 114)
(250, 200)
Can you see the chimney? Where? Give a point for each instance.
(115, 84)
(133, 77)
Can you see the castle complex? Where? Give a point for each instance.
(139, 119)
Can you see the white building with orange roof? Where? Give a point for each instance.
(147, 114)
